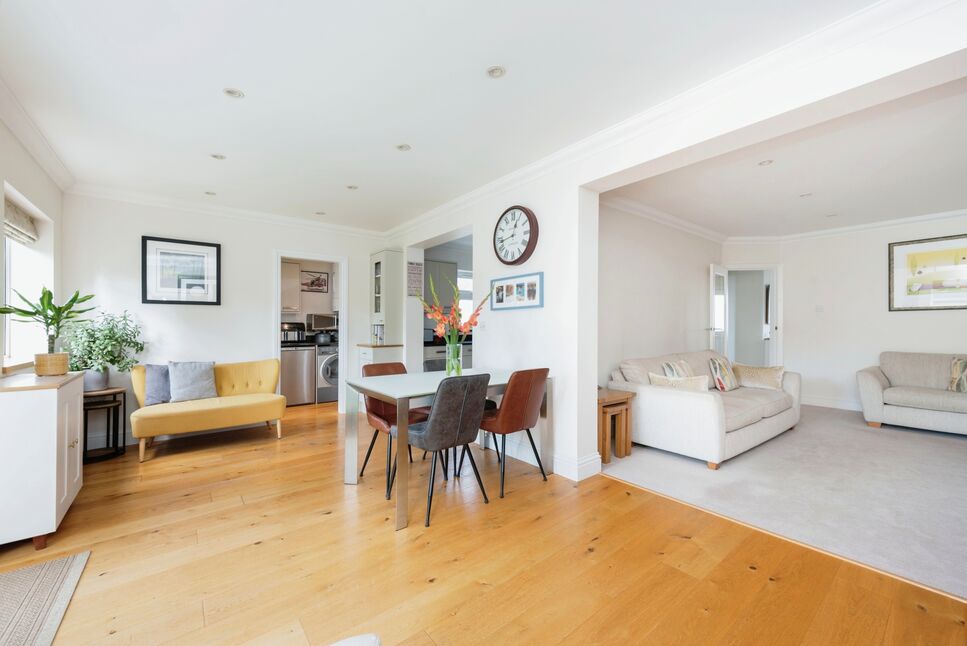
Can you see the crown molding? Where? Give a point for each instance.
(861, 26)
(24, 129)
(633, 207)
(869, 226)
(195, 207)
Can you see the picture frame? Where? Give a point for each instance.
(928, 274)
(314, 281)
(523, 291)
(180, 272)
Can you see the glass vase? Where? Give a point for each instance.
(454, 359)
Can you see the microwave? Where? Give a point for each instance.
(322, 321)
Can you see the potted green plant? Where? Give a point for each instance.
(108, 340)
(53, 318)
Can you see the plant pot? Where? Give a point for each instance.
(50, 365)
(95, 380)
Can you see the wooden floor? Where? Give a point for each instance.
(240, 538)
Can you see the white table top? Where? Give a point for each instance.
(419, 384)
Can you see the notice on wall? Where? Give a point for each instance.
(414, 279)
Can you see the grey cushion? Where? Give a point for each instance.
(636, 370)
(157, 389)
(927, 398)
(744, 406)
(191, 380)
(920, 369)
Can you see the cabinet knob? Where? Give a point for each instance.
(73, 443)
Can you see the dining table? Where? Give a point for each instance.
(399, 390)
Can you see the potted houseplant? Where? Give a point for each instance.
(53, 318)
(449, 326)
(108, 340)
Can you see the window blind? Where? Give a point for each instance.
(18, 225)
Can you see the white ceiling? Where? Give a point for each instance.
(896, 160)
(129, 93)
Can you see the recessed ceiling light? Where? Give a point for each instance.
(496, 71)
(352, 187)
(209, 192)
(404, 147)
(765, 162)
(831, 215)
(235, 93)
(805, 195)
(320, 212)
(218, 156)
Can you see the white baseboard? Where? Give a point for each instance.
(832, 402)
(578, 470)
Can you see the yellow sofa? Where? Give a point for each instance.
(246, 395)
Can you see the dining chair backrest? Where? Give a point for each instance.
(375, 406)
(520, 407)
(456, 413)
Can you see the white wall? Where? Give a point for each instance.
(652, 289)
(835, 302)
(104, 257)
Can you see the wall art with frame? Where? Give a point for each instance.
(517, 292)
(929, 274)
(180, 272)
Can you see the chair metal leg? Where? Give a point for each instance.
(424, 456)
(473, 465)
(392, 476)
(536, 455)
(409, 449)
(496, 450)
(503, 463)
(369, 451)
(443, 461)
(429, 489)
(456, 471)
(460, 466)
(389, 463)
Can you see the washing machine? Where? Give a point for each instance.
(327, 373)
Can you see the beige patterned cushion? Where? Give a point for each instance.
(958, 375)
(698, 384)
(758, 376)
(722, 374)
(678, 368)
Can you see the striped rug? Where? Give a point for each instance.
(33, 600)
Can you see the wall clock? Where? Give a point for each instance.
(515, 236)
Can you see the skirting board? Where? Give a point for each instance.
(581, 469)
(832, 402)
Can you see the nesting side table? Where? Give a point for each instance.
(614, 416)
(115, 422)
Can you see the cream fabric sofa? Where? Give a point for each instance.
(910, 389)
(710, 426)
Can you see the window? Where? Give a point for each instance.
(465, 285)
(24, 270)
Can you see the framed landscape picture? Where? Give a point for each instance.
(180, 272)
(517, 292)
(929, 274)
(314, 281)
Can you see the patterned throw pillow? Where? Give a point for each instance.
(722, 374)
(758, 376)
(676, 369)
(698, 384)
(958, 375)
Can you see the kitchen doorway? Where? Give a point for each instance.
(449, 265)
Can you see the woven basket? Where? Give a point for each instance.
(49, 365)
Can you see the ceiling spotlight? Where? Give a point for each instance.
(831, 215)
(209, 192)
(235, 93)
(404, 147)
(218, 156)
(765, 162)
(352, 187)
(805, 195)
(320, 212)
(496, 71)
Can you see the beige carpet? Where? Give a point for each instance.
(33, 600)
(893, 498)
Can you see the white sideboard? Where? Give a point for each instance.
(41, 453)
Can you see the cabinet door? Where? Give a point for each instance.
(70, 445)
(291, 290)
(334, 288)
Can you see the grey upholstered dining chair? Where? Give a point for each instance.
(453, 422)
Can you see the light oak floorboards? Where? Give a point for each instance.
(241, 538)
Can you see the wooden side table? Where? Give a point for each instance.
(614, 415)
(115, 429)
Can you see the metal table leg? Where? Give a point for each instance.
(351, 446)
(402, 461)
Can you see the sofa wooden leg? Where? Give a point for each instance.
(142, 444)
(268, 425)
(278, 428)
(40, 542)
(150, 442)
(714, 466)
(874, 424)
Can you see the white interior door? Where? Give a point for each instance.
(718, 308)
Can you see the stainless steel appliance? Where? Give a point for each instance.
(292, 332)
(298, 377)
(327, 322)
(327, 373)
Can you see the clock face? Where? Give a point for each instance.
(515, 236)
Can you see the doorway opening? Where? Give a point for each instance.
(450, 267)
(752, 318)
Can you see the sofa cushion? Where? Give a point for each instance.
(927, 398)
(636, 370)
(919, 369)
(698, 384)
(156, 387)
(958, 375)
(758, 376)
(744, 406)
(699, 362)
(722, 374)
(190, 380)
(678, 368)
(206, 414)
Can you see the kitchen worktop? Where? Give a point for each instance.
(439, 342)
(379, 345)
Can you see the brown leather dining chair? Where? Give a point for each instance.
(519, 410)
(382, 417)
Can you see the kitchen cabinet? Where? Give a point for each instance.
(41, 453)
(386, 283)
(291, 289)
(371, 353)
(334, 288)
(437, 354)
(443, 274)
